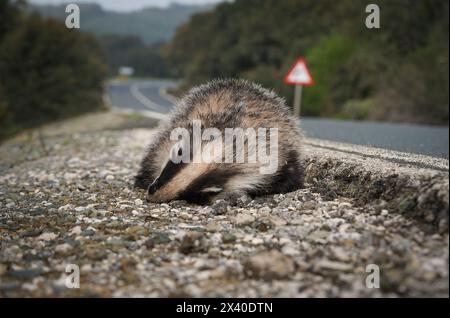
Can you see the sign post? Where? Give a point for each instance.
(299, 76)
(297, 100)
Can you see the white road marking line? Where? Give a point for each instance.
(144, 100)
(381, 153)
(145, 113)
(163, 93)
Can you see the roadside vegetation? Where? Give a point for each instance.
(397, 73)
(47, 72)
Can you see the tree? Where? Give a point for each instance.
(9, 15)
(49, 72)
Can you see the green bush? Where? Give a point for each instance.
(356, 109)
(325, 60)
(49, 72)
(3, 107)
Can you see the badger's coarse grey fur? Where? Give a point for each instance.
(223, 104)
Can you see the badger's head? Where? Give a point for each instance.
(214, 167)
(198, 176)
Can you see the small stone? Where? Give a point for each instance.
(96, 254)
(65, 207)
(243, 200)
(113, 225)
(277, 221)
(3, 269)
(63, 248)
(220, 207)
(47, 236)
(333, 224)
(244, 219)
(263, 225)
(138, 230)
(309, 205)
(116, 241)
(73, 162)
(228, 238)
(269, 265)
(212, 227)
(160, 238)
(318, 236)
(75, 231)
(193, 242)
(26, 274)
(88, 232)
(265, 210)
(10, 205)
(185, 216)
(31, 233)
(70, 176)
(290, 249)
(340, 254)
(138, 202)
(149, 243)
(429, 216)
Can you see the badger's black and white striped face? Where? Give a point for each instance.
(197, 181)
(219, 106)
(188, 181)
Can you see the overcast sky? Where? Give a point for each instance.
(127, 5)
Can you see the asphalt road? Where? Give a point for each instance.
(147, 95)
(140, 95)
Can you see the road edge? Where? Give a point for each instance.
(394, 186)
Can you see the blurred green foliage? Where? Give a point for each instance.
(325, 59)
(397, 73)
(47, 71)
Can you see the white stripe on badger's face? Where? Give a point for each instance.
(212, 190)
(245, 181)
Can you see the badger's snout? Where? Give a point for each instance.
(152, 188)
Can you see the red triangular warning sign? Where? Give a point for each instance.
(299, 74)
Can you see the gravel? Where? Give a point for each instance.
(75, 204)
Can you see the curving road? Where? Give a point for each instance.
(147, 97)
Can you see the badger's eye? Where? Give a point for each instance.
(176, 153)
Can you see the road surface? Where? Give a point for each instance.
(148, 96)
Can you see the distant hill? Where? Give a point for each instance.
(152, 25)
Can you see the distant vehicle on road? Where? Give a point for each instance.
(125, 72)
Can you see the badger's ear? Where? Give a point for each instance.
(212, 190)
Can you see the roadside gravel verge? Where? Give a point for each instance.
(74, 204)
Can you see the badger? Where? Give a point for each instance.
(223, 105)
